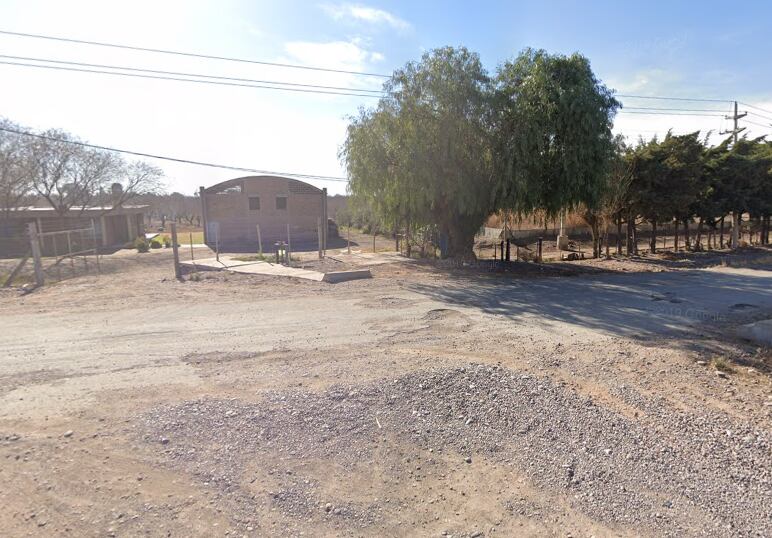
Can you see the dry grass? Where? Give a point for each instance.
(722, 365)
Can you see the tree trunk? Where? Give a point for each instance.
(630, 225)
(596, 247)
(653, 241)
(407, 239)
(619, 235)
(606, 237)
(675, 242)
(721, 233)
(698, 242)
(687, 246)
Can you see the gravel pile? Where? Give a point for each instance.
(673, 472)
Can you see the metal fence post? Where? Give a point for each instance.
(289, 246)
(217, 241)
(35, 247)
(319, 235)
(259, 241)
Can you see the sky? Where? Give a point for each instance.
(705, 50)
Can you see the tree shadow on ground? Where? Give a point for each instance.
(684, 305)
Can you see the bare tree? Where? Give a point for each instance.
(16, 169)
(70, 176)
(67, 175)
(136, 179)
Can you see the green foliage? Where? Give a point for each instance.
(167, 241)
(553, 133)
(155, 243)
(448, 146)
(668, 177)
(142, 244)
(422, 156)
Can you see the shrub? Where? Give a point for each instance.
(141, 244)
(167, 241)
(722, 365)
(155, 243)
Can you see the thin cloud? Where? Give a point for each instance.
(360, 13)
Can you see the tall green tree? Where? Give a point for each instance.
(423, 156)
(553, 133)
(667, 180)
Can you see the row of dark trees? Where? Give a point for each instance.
(57, 169)
(450, 145)
(682, 180)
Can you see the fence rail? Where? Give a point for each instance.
(49, 251)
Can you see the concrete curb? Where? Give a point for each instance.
(344, 276)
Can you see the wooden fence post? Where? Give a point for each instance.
(175, 250)
(35, 248)
(259, 241)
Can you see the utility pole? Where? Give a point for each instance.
(734, 132)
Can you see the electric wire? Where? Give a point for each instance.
(175, 159)
(190, 54)
(756, 107)
(179, 73)
(305, 67)
(178, 79)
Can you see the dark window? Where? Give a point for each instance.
(281, 202)
(254, 202)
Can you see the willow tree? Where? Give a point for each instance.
(423, 155)
(553, 133)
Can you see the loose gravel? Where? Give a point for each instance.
(674, 473)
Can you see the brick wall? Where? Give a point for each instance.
(230, 211)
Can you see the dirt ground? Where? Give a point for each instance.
(599, 398)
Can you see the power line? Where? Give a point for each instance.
(174, 159)
(670, 109)
(672, 98)
(304, 67)
(757, 107)
(214, 82)
(760, 115)
(178, 73)
(190, 54)
(669, 113)
(768, 125)
(307, 88)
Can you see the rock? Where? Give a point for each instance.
(68, 433)
(721, 374)
(327, 507)
(164, 441)
(702, 363)
(468, 459)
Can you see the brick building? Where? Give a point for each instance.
(113, 227)
(232, 211)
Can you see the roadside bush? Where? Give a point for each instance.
(167, 241)
(155, 243)
(141, 244)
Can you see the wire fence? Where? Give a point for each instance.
(53, 256)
